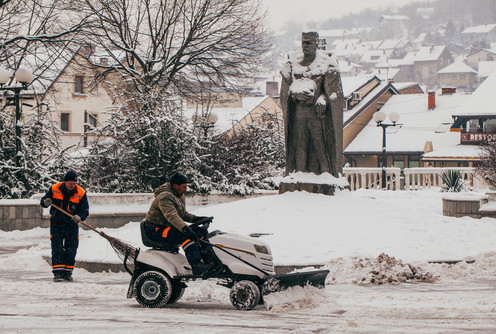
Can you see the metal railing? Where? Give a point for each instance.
(411, 178)
(370, 178)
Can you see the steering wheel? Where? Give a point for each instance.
(203, 221)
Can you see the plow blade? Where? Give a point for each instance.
(278, 283)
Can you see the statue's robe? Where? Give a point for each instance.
(324, 73)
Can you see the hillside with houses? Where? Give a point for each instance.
(428, 62)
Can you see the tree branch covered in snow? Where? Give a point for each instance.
(174, 45)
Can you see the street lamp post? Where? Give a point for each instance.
(24, 77)
(379, 117)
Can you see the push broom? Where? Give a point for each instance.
(122, 249)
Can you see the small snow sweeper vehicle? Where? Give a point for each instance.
(243, 264)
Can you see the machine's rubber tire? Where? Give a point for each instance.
(152, 289)
(177, 292)
(245, 295)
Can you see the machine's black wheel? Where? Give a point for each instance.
(152, 289)
(177, 291)
(244, 295)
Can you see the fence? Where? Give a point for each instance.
(411, 178)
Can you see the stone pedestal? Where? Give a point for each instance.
(326, 189)
(324, 183)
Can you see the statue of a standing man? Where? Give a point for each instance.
(312, 102)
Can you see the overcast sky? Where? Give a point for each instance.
(316, 10)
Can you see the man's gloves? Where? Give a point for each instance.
(76, 219)
(207, 219)
(190, 234)
(47, 201)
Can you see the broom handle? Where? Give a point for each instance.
(68, 214)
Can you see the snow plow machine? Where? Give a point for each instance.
(243, 264)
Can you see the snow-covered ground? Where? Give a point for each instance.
(363, 238)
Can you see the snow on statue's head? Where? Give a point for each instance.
(310, 35)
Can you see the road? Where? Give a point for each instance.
(96, 303)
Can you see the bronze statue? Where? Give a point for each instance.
(312, 102)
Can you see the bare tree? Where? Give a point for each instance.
(487, 166)
(184, 45)
(33, 34)
(27, 24)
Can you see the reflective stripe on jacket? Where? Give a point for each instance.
(74, 199)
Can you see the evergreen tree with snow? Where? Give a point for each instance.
(28, 171)
(139, 147)
(241, 163)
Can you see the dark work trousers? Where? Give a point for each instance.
(173, 236)
(64, 236)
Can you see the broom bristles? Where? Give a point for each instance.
(122, 249)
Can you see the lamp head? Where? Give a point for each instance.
(212, 118)
(4, 76)
(23, 76)
(394, 117)
(379, 117)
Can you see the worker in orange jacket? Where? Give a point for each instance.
(64, 230)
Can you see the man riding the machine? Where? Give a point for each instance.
(166, 222)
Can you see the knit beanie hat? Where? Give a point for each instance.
(178, 178)
(71, 176)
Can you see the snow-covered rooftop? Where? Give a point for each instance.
(416, 126)
(486, 68)
(427, 53)
(481, 102)
(457, 152)
(391, 63)
(391, 44)
(352, 84)
(480, 29)
(375, 56)
(385, 73)
(457, 67)
(347, 66)
(350, 114)
(403, 85)
(229, 116)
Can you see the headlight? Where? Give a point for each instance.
(261, 249)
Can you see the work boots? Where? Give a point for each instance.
(58, 277)
(200, 268)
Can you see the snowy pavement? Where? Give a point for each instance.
(460, 299)
(96, 303)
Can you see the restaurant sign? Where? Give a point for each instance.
(477, 138)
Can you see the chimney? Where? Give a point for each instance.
(448, 90)
(428, 146)
(431, 100)
(272, 88)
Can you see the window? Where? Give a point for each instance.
(92, 120)
(398, 161)
(473, 125)
(413, 161)
(490, 126)
(79, 84)
(64, 122)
